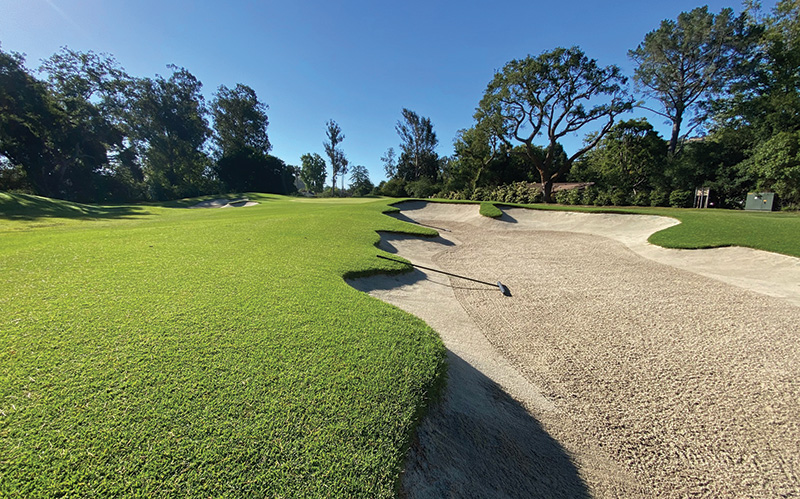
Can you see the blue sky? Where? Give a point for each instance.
(357, 62)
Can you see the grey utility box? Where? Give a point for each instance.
(759, 201)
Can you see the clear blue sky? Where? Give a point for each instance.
(357, 62)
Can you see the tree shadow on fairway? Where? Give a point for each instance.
(479, 442)
(27, 207)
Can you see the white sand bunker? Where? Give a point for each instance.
(631, 371)
(225, 203)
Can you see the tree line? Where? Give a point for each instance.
(726, 84)
(90, 132)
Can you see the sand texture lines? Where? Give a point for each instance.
(652, 379)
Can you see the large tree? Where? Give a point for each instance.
(683, 63)
(171, 128)
(418, 156)
(630, 157)
(360, 184)
(335, 154)
(550, 96)
(95, 92)
(312, 172)
(240, 121)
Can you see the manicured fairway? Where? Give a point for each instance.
(161, 351)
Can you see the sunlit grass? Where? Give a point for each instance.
(149, 351)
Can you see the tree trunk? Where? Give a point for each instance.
(676, 131)
(547, 190)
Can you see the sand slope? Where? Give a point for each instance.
(616, 369)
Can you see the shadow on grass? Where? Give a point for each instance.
(27, 207)
(480, 442)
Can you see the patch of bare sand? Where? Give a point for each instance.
(637, 378)
(224, 203)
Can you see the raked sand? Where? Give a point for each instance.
(616, 369)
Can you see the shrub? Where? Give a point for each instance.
(659, 198)
(575, 196)
(422, 188)
(395, 188)
(641, 198)
(603, 199)
(680, 198)
(562, 197)
(618, 197)
(588, 196)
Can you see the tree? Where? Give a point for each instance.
(313, 172)
(171, 127)
(360, 184)
(28, 115)
(94, 92)
(240, 121)
(53, 132)
(249, 171)
(628, 158)
(548, 96)
(389, 160)
(682, 63)
(418, 143)
(335, 154)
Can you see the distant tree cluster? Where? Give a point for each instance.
(727, 85)
(90, 132)
(732, 81)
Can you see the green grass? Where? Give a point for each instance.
(154, 351)
(490, 210)
(778, 232)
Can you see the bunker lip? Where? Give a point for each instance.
(224, 203)
(611, 373)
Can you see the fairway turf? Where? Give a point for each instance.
(151, 351)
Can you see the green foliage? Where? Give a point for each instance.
(641, 198)
(682, 63)
(335, 154)
(312, 173)
(173, 352)
(248, 170)
(240, 122)
(422, 188)
(490, 210)
(395, 188)
(603, 198)
(659, 197)
(680, 198)
(360, 184)
(418, 156)
(170, 123)
(631, 156)
(588, 196)
(513, 107)
(777, 164)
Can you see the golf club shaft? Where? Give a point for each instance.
(439, 271)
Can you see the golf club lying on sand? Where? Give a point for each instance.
(503, 288)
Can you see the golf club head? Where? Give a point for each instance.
(503, 289)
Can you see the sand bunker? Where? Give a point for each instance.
(616, 369)
(225, 203)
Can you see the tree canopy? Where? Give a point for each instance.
(550, 96)
(684, 62)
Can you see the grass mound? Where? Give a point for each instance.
(490, 210)
(204, 352)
